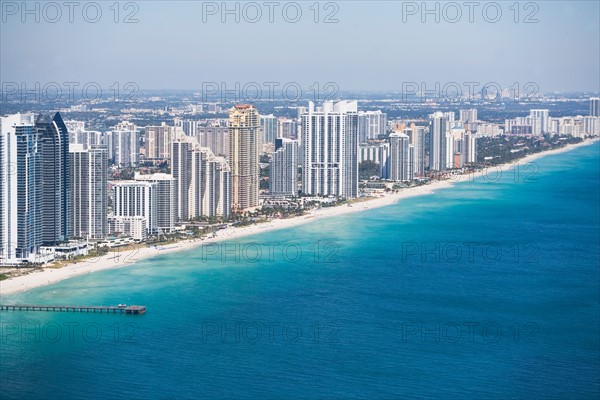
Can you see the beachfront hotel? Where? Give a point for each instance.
(330, 142)
(244, 142)
(399, 164)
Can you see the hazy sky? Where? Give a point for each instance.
(373, 46)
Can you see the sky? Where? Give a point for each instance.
(357, 45)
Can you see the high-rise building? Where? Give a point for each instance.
(438, 131)
(330, 146)
(54, 139)
(287, 128)
(21, 194)
(136, 199)
(468, 116)
(595, 107)
(283, 179)
(417, 136)
(540, 119)
(88, 191)
(470, 147)
(202, 181)
(371, 125)
(244, 145)
(399, 162)
(158, 141)
(124, 144)
(216, 138)
(165, 199)
(268, 124)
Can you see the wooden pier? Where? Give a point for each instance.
(120, 309)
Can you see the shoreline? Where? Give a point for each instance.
(48, 276)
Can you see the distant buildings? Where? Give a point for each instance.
(468, 116)
(244, 142)
(283, 178)
(330, 141)
(378, 153)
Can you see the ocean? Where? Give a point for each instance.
(488, 289)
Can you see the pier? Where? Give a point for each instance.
(120, 309)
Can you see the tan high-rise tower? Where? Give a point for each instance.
(244, 131)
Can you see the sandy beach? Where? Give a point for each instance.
(117, 259)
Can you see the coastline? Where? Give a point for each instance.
(48, 276)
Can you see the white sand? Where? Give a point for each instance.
(115, 259)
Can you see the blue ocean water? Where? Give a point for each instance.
(488, 289)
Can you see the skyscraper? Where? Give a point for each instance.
(136, 199)
(417, 139)
(124, 144)
(268, 124)
(438, 127)
(244, 129)
(470, 147)
(202, 181)
(21, 195)
(399, 162)
(330, 142)
(371, 125)
(165, 199)
(283, 180)
(468, 116)
(595, 107)
(88, 192)
(158, 141)
(54, 140)
(540, 119)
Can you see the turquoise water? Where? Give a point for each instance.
(489, 289)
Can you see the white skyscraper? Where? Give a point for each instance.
(88, 196)
(417, 139)
(467, 116)
(136, 199)
(371, 125)
(165, 199)
(438, 131)
(283, 180)
(268, 124)
(330, 142)
(399, 162)
(540, 119)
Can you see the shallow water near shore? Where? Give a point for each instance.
(487, 289)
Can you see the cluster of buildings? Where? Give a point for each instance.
(56, 187)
